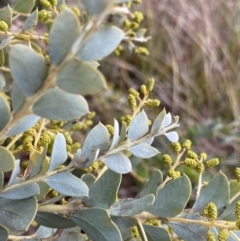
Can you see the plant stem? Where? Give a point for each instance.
(42, 123)
(13, 141)
(234, 236)
(142, 230)
(199, 185)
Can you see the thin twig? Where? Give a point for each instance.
(142, 230)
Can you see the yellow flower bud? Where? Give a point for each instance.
(3, 26)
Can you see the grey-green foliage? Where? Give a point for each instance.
(54, 91)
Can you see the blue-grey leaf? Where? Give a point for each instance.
(103, 193)
(4, 112)
(17, 97)
(64, 32)
(44, 232)
(156, 233)
(6, 15)
(167, 120)
(31, 21)
(7, 160)
(28, 68)
(73, 234)
(89, 179)
(24, 124)
(24, 6)
(152, 185)
(172, 198)
(115, 135)
(101, 43)
(68, 184)
(15, 172)
(5, 42)
(188, 231)
(130, 206)
(94, 7)
(143, 150)
(138, 127)
(97, 224)
(59, 152)
(212, 193)
(97, 138)
(157, 124)
(21, 192)
(21, 211)
(172, 136)
(118, 163)
(3, 233)
(57, 104)
(79, 77)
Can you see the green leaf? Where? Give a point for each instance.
(172, 198)
(59, 152)
(14, 173)
(118, 163)
(24, 6)
(1, 180)
(7, 160)
(234, 186)
(73, 234)
(115, 135)
(3, 233)
(4, 112)
(103, 193)
(123, 132)
(52, 220)
(188, 231)
(94, 7)
(68, 184)
(28, 68)
(64, 32)
(6, 15)
(31, 21)
(97, 224)
(156, 233)
(130, 206)
(157, 124)
(17, 215)
(80, 78)
(5, 42)
(143, 150)
(23, 124)
(89, 179)
(21, 192)
(17, 97)
(138, 127)
(152, 185)
(97, 138)
(56, 104)
(212, 193)
(44, 189)
(2, 58)
(100, 44)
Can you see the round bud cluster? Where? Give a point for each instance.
(237, 174)
(167, 159)
(150, 84)
(237, 210)
(187, 144)
(53, 2)
(200, 167)
(137, 1)
(212, 162)
(143, 89)
(45, 139)
(62, 7)
(91, 115)
(127, 119)
(75, 146)
(135, 232)
(138, 17)
(173, 174)
(44, 16)
(47, 59)
(238, 223)
(57, 123)
(118, 50)
(78, 126)
(68, 138)
(76, 11)
(176, 146)
(141, 50)
(110, 129)
(3, 26)
(45, 3)
(132, 101)
(133, 92)
(203, 156)
(192, 154)
(210, 211)
(190, 162)
(152, 102)
(210, 237)
(153, 222)
(223, 235)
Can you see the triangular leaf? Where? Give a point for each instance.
(115, 135)
(143, 150)
(5, 42)
(56, 104)
(103, 193)
(172, 198)
(68, 184)
(130, 206)
(97, 138)
(64, 32)
(59, 152)
(100, 44)
(31, 21)
(157, 124)
(28, 68)
(97, 224)
(21, 211)
(167, 120)
(138, 127)
(79, 77)
(212, 193)
(118, 163)
(7, 160)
